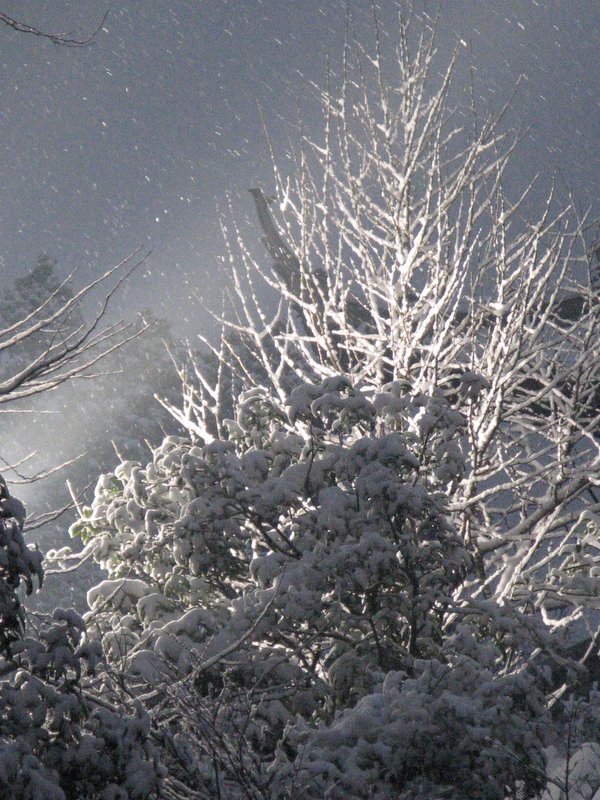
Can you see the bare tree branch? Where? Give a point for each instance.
(61, 39)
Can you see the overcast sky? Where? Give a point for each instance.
(138, 139)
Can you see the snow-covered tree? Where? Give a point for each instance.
(66, 733)
(60, 736)
(356, 578)
(283, 584)
(400, 257)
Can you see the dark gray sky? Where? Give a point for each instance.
(138, 139)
